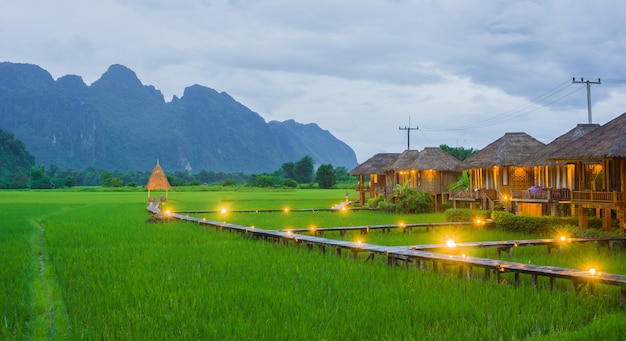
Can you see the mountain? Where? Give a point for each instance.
(118, 123)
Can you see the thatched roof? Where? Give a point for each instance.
(375, 164)
(437, 159)
(404, 161)
(541, 158)
(510, 150)
(158, 180)
(606, 141)
(430, 158)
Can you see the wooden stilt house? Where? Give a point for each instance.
(158, 180)
(599, 176)
(553, 181)
(372, 170)
(431, 171)
(495, 171)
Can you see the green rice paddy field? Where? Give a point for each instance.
(85, 265)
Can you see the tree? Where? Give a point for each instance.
(303, 170)
(325, 176)
(288, 170)
(39, 179)
(458, 152)
(15, 162)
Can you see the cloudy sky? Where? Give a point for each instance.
(464, 72)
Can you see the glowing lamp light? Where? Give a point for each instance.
(450, 243)
(592, 271)
(286, 209)
(223, 210)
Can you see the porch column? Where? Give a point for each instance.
(606, 220)
(583, 217)
(621, 216)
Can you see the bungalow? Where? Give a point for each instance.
(373, 168)
(599, 176)
(553, 181)
(430, 171)
(495, 171)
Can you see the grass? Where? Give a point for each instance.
(109, 275)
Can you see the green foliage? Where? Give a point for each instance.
(458, 152)
(325, 176)
(458, 215)
(463, 184)
(289, 183)
(15, 162)
(404, 199)
(303, 170)
(39, 179)
(540, 225)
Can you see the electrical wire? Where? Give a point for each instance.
(532, 105)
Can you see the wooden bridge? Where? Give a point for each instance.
(421, 258)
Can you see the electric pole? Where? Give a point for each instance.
(408, 133)
(588, 84)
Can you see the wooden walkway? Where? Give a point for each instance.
(421, 258)
(406, 228)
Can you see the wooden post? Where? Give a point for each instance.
(606, 221)
(583, 217)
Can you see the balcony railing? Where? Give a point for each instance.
(464, 195)
(614, 197)
(541, 194)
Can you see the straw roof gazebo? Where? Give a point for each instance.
(158, 180)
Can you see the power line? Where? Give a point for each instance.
(538, 102)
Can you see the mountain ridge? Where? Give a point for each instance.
(118, 123)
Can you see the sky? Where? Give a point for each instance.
(463, 73)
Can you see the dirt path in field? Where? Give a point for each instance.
(50, 318)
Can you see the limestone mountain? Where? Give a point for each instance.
(118, 123)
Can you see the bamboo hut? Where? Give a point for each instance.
(553, 181)
(599, 160)
(495, 171)
(158, 180)
(431, 170)
(373, 168)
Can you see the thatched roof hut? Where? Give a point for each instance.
(158, 180)
(375, 164)
(403, 161)
(606, 141)
(542, 157)
(437, 159)
(512, 149)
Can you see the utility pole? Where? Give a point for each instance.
(588, 84)
(408, 133)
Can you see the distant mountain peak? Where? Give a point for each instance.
(117, 123)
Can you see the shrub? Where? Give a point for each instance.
(457, 215)
(542, 225)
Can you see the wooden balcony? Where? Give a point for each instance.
(464, 195)
(595, 197)
(541, 195)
